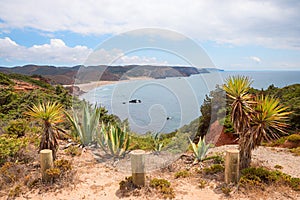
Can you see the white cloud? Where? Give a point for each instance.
(57, 52)
(269, 23)
(255, 59)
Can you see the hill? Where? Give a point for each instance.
(83, 74)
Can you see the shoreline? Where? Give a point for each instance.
(86, 87)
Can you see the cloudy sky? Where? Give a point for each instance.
(236, 35)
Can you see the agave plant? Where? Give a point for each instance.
(49, 113)
(87, 125)
(200, 150)
(113, 140)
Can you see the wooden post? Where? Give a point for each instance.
(46, 163)
(232, 164)
(138, 167)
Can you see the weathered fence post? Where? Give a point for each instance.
(138, 167)
(46, 163)
(232, 163)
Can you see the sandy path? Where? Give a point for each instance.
(100, 181)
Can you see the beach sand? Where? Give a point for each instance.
(85, 87)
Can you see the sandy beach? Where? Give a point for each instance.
(85, 87)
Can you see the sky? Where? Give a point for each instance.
(231, 34)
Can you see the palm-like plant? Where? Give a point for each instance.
(255, 119)
(237, 89)
(49, 113)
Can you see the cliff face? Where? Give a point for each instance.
(67, 75)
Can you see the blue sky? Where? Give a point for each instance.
(233, 34)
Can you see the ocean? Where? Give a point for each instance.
(164, 105)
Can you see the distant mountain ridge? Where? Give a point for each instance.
(83, 74)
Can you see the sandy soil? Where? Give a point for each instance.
(96, 179)
(92, 85)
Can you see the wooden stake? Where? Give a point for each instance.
(232, 163)
(46, 163)
(138, 167)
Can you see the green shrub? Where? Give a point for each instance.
(164, 187)
(278, 167)
(294, 138)
(202, 183)
(213, 169)
(296, 151)
(10, 146)
(53, 173)
(73, 151)
(182, 174)
(63, 165)
(17, 127)
(259, 177)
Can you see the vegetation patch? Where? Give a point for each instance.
(294, 138)
(296, 151)
(213, 169)
(73, 151)
(260, 177)
(182, 174)
(164, 187)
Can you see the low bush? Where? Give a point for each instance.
(17, 127)
(260, 177)
(213, 169)
(294, 138)
(164, 187)
(296, 151)
(182, 174)
(10, 146)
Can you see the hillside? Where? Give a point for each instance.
(82, 74)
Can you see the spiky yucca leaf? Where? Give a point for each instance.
(237, 88)
(87, 126)
(268, 118)
(199, 150)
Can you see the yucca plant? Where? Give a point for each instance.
(113, 140)
(268, 119)
(85, 123)
(237, 89)
(50, 114)
(253, 118)
(200, 150)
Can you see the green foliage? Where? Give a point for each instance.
(113, 140)
(53, 173)
(73, 151)
(164, 187)
(200, 150)
(10, 146)
(5, 80)
(157, 142)
(85, 123)
(202, 183)
(33, 81)
(294, 138)
(143, 142)
(296, 151)
(278, 167)
(213, 169)
(259, 177)
(17, 127)
(182, 174)
(63, 165)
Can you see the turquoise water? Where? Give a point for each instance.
(168, 104)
